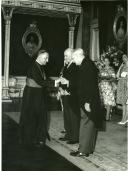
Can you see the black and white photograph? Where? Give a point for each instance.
(64, 85)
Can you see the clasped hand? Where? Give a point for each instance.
(62, 81)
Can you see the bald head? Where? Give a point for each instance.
(68, 55)
(79, 51)
(42, 57)
(78, 56)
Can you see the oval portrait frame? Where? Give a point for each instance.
(120, 16)
(33, 31)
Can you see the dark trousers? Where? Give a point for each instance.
(88, 134)
(71, 120)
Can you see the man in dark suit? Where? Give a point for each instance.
(89, 100)
(71, 108)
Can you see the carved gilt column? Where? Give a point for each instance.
(7, 13)
(72, 22)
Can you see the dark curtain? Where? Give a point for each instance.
(83, 34)
(106, 19)
(78, 31)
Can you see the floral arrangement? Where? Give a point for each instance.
(114, 54)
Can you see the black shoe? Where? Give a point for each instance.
(63, 139)
(74, 153)
(78, 154)
(72, 142)
(82, 154)
(63, 132)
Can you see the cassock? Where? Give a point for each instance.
(33, 120)
(70, 104)
(88, 92)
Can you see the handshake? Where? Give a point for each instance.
(61, 81)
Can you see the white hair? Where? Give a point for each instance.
(79, 51)
(69, 50)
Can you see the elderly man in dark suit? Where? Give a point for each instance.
(71, 108)
(89, 100)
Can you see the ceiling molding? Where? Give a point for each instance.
(47, 8)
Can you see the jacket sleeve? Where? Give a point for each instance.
(89, 84)
(73, 80)
(71, 75)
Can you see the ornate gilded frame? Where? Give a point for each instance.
(32, 40)
(120, 32)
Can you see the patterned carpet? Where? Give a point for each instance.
(16, 157)
(111, 148)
